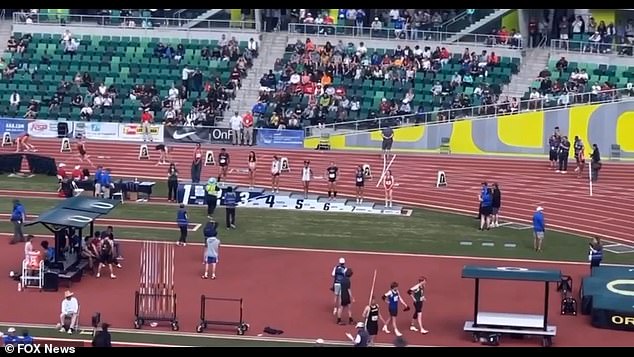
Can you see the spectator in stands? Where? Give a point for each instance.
(14, 100)
(578, 26)
(10, 70)
(12, 44)
(32, 110)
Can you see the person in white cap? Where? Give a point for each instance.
(362, 339)
(539, 228)
(338, 273)
(10, 338)
(70, 310)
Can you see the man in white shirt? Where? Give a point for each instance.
(14, 100)
(236, 126)
(70, 310)
(252, 46)
(173, 93)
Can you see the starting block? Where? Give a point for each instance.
(367, 171)
(209, 158)
(65, 145)
(6, 139)
(144, 153)
(441, 180)
(285, 166)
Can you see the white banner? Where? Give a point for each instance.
(99, 131)
(134, 132)
(46, 128)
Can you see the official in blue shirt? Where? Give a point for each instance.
(25, 339)
(596, 252)
(10, 338)
(106, 183)
(18, 216)
(539, 228)
(231, 201)
(98, 174)
(182, 220)
(486, 206)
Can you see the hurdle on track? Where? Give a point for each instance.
(155, 301)
(241, 326)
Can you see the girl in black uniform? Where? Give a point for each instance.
(223, 164)
(172, 183)
(163, 154)
(359, 183)
(106, 257)
(331, 174)
(372, 315)
(83, 155)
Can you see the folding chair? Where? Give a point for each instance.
(32, 271)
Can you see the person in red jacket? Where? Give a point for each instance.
(247, 127)
(146, 121)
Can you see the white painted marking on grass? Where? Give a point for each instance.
(196, 227)
(362, 252)
(193, 335)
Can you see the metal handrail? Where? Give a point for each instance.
(389, 34)
(454, 19)
(473, 113)
(119, 22)
(589, 47)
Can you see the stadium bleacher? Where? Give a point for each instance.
(124, 62)
(371, 91)
(608, 80)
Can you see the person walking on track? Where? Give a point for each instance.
(172, 183)
(393, 298)
(212, 248)
(417, 292)
(372, 315)
(106, 257)
(564, 152)
(182, 220)
(580, 156)
(595, 163)
(496, 203)
(18, 216)
(539, 228)
(223, 164)
(346, 299)
(82, 152)
(146, 122)
(231, 201)
(338, 273)
(359, 183)
(197, 164)
(211, 196)
(388, 139)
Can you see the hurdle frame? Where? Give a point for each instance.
(155, 301)
(241, 326)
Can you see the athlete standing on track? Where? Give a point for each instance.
(372, 315)
(346, 299)
(81, 151)
(359, 183)
(252, 166)
(23, 142)
(331, 174)
(338, 273)
(212, 248)
(223, 164)
(417, 292)
(276, 169)
(580, 156)
(307, 175)
(392, 297)
(197, 164)
(553, 143)
(388, 184)
(564, 151)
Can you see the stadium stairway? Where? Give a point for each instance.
(535, 60)
(272, 47)
(476, 25)
(5, 32)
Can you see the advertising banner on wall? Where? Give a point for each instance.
(134, 132)
(46, 128)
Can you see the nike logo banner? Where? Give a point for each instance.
(191, 134)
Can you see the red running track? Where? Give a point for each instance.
(525, 183)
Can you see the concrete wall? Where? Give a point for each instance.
(524, 134)
(592, 58)
(160, 32)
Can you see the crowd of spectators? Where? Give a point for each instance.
(310, 86)
(210, 96)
